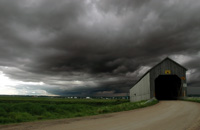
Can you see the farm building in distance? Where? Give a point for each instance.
(165, 81)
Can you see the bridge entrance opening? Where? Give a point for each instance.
(167, 87)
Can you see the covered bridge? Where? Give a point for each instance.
(165, 81)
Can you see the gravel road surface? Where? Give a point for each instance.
(166, 115)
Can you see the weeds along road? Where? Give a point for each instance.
(166, 115)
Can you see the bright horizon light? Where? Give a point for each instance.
(7, 87)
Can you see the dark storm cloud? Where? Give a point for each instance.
(97, 47)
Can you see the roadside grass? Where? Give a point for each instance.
(193, 99)
(24, 109)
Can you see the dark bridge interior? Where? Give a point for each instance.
(167, 87)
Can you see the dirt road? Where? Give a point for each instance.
(166, 115)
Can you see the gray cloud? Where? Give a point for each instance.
(83, 47)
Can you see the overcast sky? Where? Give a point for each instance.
(94, 47)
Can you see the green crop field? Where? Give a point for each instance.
(23, 109)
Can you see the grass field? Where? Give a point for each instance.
(23, 109)
(193, 99)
